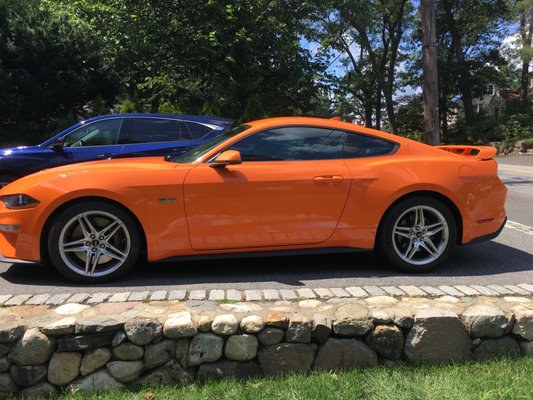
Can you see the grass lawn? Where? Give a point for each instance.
(498, 379)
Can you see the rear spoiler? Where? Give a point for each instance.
(479, 152)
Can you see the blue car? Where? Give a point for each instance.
(110, 136)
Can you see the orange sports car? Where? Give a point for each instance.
(272, 186)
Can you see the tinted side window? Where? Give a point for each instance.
(149, 130)
(366, 146)
(193, 130)
(294, 143)
(101, 133)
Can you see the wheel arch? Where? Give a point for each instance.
(436, 195)
(46, 227)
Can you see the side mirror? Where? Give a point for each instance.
(228, 157)
(57, 146)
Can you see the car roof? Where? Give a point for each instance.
(206, 119)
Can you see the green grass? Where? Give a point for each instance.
(497, 379)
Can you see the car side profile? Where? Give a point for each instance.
(110, 136)
(273, 186)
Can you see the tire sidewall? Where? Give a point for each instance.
(70, 212)
(384, 243)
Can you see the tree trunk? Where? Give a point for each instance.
(527, 38)
(464, 75)
(429, 55)
(378, 107)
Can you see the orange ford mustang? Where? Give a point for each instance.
(274, 185)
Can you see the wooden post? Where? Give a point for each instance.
(429, 58)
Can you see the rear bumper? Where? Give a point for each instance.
(489, 236)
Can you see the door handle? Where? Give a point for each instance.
(332, 179)
(106, 155)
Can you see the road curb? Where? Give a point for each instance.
(267, 295)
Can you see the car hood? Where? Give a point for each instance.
(19, 150)
(82, 171)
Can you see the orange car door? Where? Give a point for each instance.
(276, 197)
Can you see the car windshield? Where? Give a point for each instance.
(199, 151)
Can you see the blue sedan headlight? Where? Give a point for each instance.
(16, 201)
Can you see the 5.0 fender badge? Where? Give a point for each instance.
(165, 200)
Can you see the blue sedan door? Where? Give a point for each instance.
(94, 141)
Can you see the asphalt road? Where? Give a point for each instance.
(507, 259)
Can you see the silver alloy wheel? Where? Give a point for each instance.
(420, 235)
(94, 243)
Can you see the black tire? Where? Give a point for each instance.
(406, 244)
(93, 242)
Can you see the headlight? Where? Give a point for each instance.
(19, 201)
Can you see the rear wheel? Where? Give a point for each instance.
(93, 242)
(417, 234)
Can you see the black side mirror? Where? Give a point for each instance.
(57, 146)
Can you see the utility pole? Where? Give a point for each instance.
(429, 58)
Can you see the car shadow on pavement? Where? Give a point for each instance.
(483, 259)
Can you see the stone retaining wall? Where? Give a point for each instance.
(186, 343)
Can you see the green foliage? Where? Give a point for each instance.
(254, 109)
(129, 106)
(167, 107)
(410, 118)
(98, 107)
(49, 70)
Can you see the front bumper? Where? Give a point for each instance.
(14, 260)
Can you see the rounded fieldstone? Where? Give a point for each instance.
(277, 320)
(179, 325)
(182, 351)
(11, 331)
(4, 349)
(299, 329)
(523, 325)
(94, 359)
(205, 347)
(125, 371)
(27, 375)
(228, 369)
(159, 353)
(241, 347)
(33, 348)
(271, 336)
(7, 386)
(286, 357)
(483, 320)
(4, 364)
(352, 319)
(98, 325)
(141, 331)
(63, 368)
(71, 308)
(500, 347)
(119, 337)
(100, 381)
(61, 327)
(339, 354)
(321, 328)
(171, 374)
(225, 324)
(204, 324)
(128, 352)
(437, 337)
(42, 390)
(387, 341)
(252, 324)
(527, 347)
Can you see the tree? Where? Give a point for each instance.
(369, 34)
(429, 54)
(48, 71)
(525, 12)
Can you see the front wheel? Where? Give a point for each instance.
(93, 242)
(417, 234)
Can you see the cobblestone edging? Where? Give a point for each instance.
(356, 292)
(77, 347)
